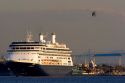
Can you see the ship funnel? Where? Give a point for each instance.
(53, 38)
(41, 37)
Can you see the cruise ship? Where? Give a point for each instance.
(39, 58)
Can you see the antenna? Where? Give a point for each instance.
(120, 60)
(29, 37)
(91, 55)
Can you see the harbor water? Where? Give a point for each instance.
(72, 79)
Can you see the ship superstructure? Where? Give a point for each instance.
(42, 57)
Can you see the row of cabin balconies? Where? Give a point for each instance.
(39, 48)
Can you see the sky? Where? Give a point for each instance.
(71, 20)
(59, 5)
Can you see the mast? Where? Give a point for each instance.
(29, 37)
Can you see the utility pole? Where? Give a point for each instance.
(120, 60)
(92, 55)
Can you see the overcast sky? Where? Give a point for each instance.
(47, 5)
(70, 19)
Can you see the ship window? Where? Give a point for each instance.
(33, 53)
(51, 57)
(17, 48)
(65, 63)
(24, 47)
(69, 58)
(13, 47)
(28, 47)
(21, 47)
(32, 48)
(69, 61)
(37, 47)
